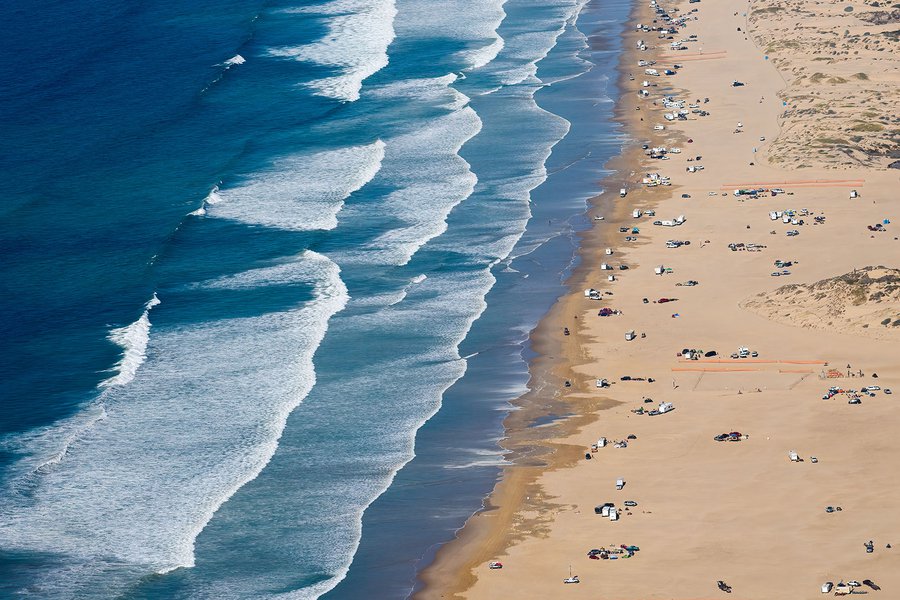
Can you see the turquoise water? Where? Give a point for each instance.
(270, 270)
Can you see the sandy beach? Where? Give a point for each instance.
(801, 312)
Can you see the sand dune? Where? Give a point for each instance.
(838, 61)
(863, 302)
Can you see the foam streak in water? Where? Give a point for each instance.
(202, 418)
(133, 340)
(359, 33)
(303, 192)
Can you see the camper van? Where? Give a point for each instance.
(636, 213)
(629, 335)
(609, 251)
(653, 72)
(659, 269)
(854, 194)
(620, 483)
(622, 193)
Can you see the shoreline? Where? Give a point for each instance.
(532, 450)
(532, 502)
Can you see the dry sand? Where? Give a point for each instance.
(740, 512)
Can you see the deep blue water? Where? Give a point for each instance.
(269, 270)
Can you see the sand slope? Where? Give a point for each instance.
(862, 302)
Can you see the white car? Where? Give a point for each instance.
(873, 388)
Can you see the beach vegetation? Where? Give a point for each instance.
(868, 127)
(832, 141)
(861, 76)
(817, 77)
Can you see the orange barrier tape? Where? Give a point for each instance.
(714, 370)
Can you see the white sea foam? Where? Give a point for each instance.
(359, 33)
(527, 45)
(302, 192)
(427, 172)
(472, 22)
(237, 59)
(133, 341)
(201, 419)
(435, 91)
(213, 196)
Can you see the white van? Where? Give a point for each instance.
(623, 192)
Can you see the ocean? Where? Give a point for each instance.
(269, 271)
